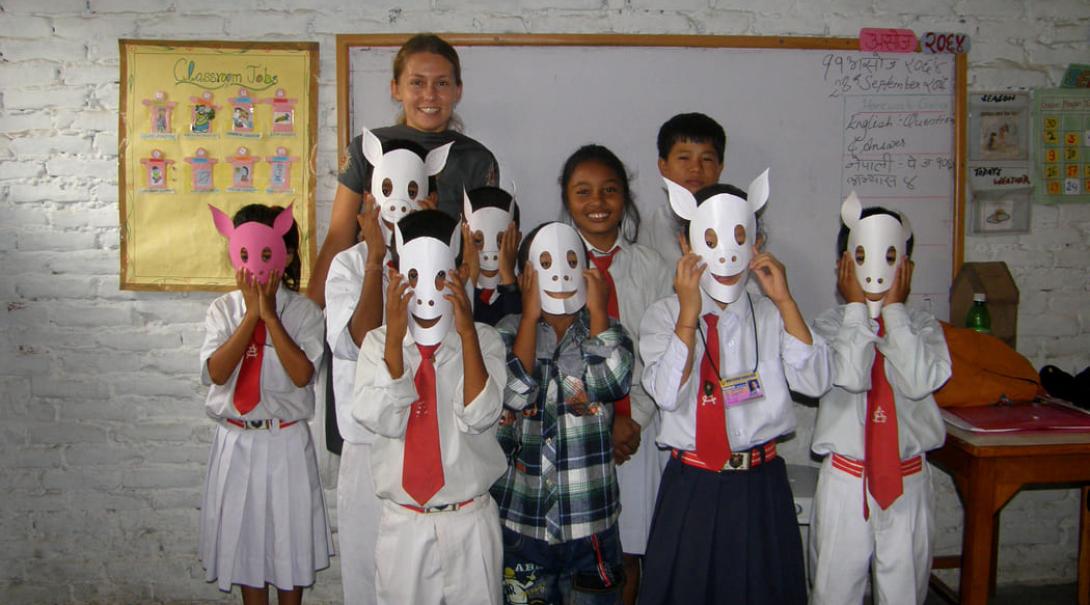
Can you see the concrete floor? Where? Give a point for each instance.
(1053, 594)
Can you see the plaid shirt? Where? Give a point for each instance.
(560, 483)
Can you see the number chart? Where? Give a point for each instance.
(1061, 121)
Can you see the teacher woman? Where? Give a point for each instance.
(428, 84)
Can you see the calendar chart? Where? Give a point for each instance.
(1061, 121)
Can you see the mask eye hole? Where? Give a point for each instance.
(387, 187)
(412, 277)
(860, 255)
(891, 256)
(413, 190)
(711, 238)
(546, 260)
(244, 254)
(739, 234)
(499, 239)
(478, 240)
(440, 280)
(573, 259)
(266, 254)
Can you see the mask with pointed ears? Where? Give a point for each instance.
(256, 246)
(723, 232)
(488, 211)
(399, 179)
(876, 244)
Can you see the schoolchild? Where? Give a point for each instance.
(263, 517)
(874, 503)
(691, 148)
(354, 306)
(491, 219)
(724, 529)
(567, 362)
(595, 191)
(429, 385)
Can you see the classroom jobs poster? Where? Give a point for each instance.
(210, 123)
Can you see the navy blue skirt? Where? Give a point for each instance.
(724, 538)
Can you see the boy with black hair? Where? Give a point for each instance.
(691, 148)
(429, 386)
(874, 499)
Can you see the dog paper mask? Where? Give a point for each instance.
(723, 231)
(876, 245)
(399, 179)
(559, 257)
(425, 259)
(255, 246)
(488, 212)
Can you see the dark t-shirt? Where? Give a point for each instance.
(469, 164)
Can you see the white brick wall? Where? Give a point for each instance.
(103, 438)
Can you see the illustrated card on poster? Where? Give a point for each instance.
(215, 123)
(1061, 165)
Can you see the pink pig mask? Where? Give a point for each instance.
(255, 246)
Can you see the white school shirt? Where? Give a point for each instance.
(662, 231)
(342, 294)
(472, 457)
(917, 364)
(784, 360)
(280, 398)
(641, 277)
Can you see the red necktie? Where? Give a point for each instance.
(248, 386)
(882, 451)
(711, 416)
(613, 309)
(486, 295)
(422, 466)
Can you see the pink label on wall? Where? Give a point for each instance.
(887, 40)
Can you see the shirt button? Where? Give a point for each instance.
(730, 343)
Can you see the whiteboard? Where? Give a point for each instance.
(824, 120)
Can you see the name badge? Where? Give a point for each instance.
(742, 389)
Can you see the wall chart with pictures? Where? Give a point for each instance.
(210, 123)
(1061, 120)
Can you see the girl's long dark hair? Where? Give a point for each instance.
(630, 222)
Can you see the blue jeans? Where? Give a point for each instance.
(586, 571)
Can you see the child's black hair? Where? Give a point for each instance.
(492, 197)
(694, 127)
(842, 236)
(427, 223)
(712, 191)
(524, 247)
(630, 228)
(266, 215)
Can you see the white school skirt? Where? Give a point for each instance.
(263, 519)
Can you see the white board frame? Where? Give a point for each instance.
(641, 160)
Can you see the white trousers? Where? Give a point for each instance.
(358, 513)
(896, 541)
(448, 557)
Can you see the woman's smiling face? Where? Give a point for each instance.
(428, 91)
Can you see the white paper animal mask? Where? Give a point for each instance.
(255, 246)
(559, 257)
(425, 260)
(399, 180)
(488, 211)
(723, 231)
(876, 244)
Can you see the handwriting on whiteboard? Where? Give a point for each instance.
(882, 74)
(939, 43)
(887, 40)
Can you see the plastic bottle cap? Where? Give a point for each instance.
(980, 297)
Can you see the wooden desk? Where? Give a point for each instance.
(988, 470)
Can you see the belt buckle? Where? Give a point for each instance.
(256, 424)
(738, 461)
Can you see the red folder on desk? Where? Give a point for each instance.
(1037, 416)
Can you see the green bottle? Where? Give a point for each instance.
(978, 318)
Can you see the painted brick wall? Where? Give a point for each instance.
(104, 439)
